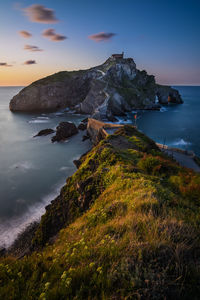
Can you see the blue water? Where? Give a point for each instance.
(32, 170)
(176, 125)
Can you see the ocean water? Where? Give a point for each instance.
(32, 170)
(175, 125)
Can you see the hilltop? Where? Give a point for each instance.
(125, 226)
(105, 91)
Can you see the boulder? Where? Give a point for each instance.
(77, 163)
(84, 120)
(63, 131)
(85, 137)
(44, 132)
(82, 126)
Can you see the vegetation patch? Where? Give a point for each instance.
(127, 227)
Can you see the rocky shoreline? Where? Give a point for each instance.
(104, 92)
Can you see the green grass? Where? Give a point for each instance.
(137, 237)
(58, 77)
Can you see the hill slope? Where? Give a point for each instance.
(128, 223)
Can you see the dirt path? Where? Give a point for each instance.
(183, 159)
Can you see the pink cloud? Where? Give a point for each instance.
(53, 36)
(101, 36)
(32, 48)
(30, 62)
(4, 64)
(40, 14)
(25, 34)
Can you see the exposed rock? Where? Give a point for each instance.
(82, 126)
(2, 252)
(63, 131)
(44, 132)
(22, 244)
(96, 130)
(105, 91)
(77, 163)
(61, 90)
(85, 137)
(84, 120)
(167, 95)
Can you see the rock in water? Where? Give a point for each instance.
(85, 137)
(82, 126)
(44, 132)
(63, 131)
(105, 91)
(166, 94)
(84, 120)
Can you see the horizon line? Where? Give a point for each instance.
(170, 84)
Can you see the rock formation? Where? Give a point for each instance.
(82, 126)
(44, 132)
(105, 91)
(63, 131)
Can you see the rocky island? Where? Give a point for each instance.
(105, 91)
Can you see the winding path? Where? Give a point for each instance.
(182, 158)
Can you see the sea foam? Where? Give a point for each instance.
(180, 142)
(11, 228)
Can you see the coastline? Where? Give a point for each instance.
(97, 131)
(127, 202)
(128, 122)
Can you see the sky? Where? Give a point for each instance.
(44, 37)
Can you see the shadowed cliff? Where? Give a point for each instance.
(105, 91)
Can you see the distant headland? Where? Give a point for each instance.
(104, 91)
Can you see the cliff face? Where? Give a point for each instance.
(128, 218)
(110, 89)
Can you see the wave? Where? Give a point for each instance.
(163, 109)
(23, 166)
(180, 142)
(12, 228)
(64, 168)
(38, 121)
(58, 113)
(123, 121)
(43, 118)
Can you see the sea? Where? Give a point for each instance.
(32, 170)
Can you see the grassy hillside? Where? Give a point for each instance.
(130, 218)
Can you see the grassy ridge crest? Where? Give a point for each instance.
(127, 228)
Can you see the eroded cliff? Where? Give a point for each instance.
(113, 88)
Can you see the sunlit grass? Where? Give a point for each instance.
(139, 237)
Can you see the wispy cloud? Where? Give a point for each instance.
(40, 14)
(25, 34)
(32, 48)
(53, 36)
(30, 62)
(4, 64)
(101, 36)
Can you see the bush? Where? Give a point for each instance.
(156, 165)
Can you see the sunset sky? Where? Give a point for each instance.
(41, 38)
